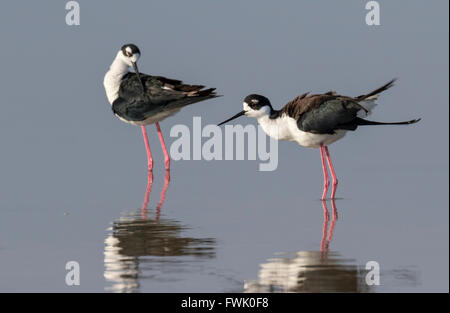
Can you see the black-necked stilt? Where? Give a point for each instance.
(141, 99)
(315, 121)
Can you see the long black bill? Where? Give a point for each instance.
(138, 75)
(232, 118)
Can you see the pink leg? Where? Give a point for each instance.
(163, 194)
(326, 182)
(163, 145)
(323, 242)
(333, 220)
(333, 174)
(147, 194)
(327, 234)
(147, 146)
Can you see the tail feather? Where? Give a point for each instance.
(360, 121)
(190, 88)
(377, 91)
(201, 93)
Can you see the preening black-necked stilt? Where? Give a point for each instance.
(141, 99)
(315, 121)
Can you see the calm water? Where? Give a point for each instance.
(213, 240)
(73, 180)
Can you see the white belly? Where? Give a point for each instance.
(311, 140)
(152, 119)
(285, 128)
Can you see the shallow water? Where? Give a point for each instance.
(145, 250)
(211, 240)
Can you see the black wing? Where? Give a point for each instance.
(323, 114)
(161, 94)
(329, 116)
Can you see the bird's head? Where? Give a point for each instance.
(129, 54)
(255, 106)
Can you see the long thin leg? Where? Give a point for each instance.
(333, 220)
(147, 146)
(163, 194)
(163, 145)
(333, 174)
(323, 242)
(326, 182)
(327, 234)
(147, 194)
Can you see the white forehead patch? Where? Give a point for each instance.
(246, 106)
(128, 49)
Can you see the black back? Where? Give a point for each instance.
(330, 116)
(325, 113)
(160, 94)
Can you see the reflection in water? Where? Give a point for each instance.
(139, 247)
(311, 271)
(161, 198)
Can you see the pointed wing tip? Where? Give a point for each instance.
(392, 82)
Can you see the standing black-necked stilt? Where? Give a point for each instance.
(141, 99)
(315, 121)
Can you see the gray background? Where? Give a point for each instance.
(69, 168)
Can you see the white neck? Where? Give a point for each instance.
(279, 128)
(113, 77)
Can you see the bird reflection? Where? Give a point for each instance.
(311, 271)
(139, 247)
(161, 198)
(327, 235)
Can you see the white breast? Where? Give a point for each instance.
(112, 85)
(113, 78)
(285, 128)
